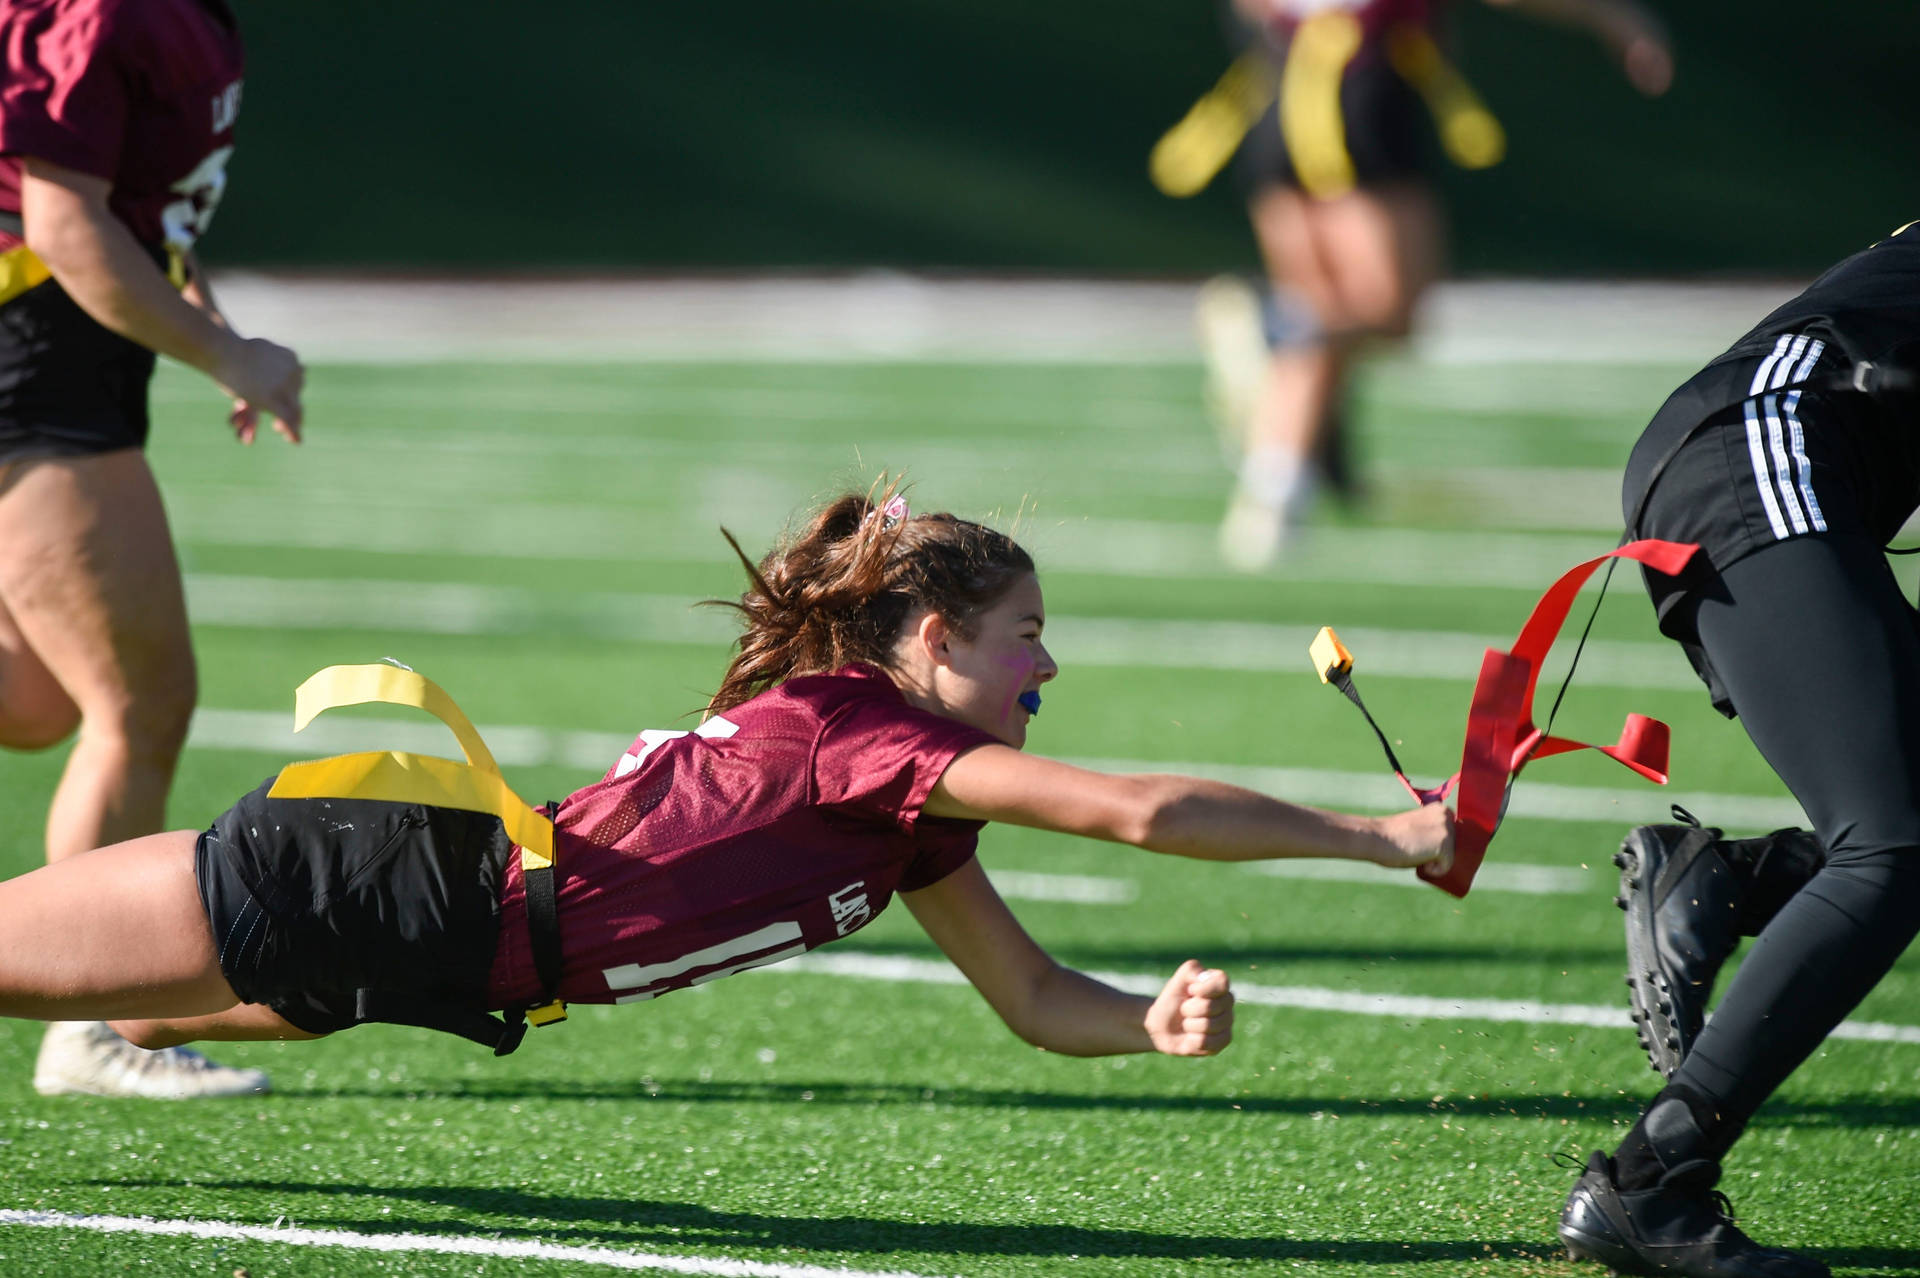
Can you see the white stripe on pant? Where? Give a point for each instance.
(1786, 478)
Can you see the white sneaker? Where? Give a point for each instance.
(88, 1058)
(1234, 346)
(1265, 518)
(1254, 535)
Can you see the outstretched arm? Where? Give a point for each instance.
(1632, 32)
(1055, 1007)
(1179, 815)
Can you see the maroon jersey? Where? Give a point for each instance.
(784, 824)
(142, 93)
(1280, 17)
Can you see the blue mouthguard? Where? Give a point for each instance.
(1031, 700)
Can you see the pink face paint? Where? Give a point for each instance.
(1019, 668)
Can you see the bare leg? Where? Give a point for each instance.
(243, 1022)
(96, 630)
(1382, 250)
(1302, 380)
(92, 592)
(35, 711)
(1360, 262)
(117, 932)
(1301, 388)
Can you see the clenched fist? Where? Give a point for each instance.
(1194, 1014)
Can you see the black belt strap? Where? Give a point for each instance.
(501, 1033)
(469, 1023)
(543, 923)
(10, 223)
(543, 936)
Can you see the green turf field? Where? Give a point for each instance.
(531, 537)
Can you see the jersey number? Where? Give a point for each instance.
(770, 944)
(653, 738)
(186, 219)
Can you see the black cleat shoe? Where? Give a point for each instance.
(1682, 899)
(1680, 1226)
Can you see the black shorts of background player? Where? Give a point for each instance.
(1792, 460)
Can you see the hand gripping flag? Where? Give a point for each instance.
(1501, 736)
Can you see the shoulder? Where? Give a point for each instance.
(61, 28)
(48, 48)
(864, 699)
(857, 718)
(850, 690)
(162, 32)
(806, 710)
(62, 42)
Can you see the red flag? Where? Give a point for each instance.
(1501, 737)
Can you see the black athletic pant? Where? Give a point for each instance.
(1820, 655)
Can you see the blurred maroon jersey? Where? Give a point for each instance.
(142, 93)
(1280, 17)
(786, 823)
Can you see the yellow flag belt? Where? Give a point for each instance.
(21, 268)
(399, 776)
(1306, 94)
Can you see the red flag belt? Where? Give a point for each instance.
(1501, 737)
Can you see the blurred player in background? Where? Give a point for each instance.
(116, 122)
(869, 724)
(1792, 460)
(1323, 107)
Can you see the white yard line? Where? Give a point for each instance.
(449, 608)
(1539, 800)
(405, 509)
(363, 416)
(887, 316)
(1269, 648)
(438, 1244)
(1374, 556)
(439, 476)
(458, 608)
(878, 967)
(1494, 876)
(1072, 889)
(271, 732)
(441, 467)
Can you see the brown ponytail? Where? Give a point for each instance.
(840, 590)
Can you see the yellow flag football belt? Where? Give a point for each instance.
(21, 268)
(398, 776)
(1306, 95)
(1310, 115)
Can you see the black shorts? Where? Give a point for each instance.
(314, 900)
(1388, 138)
(68, 386)
(1799, 459)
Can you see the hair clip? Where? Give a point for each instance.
(894, 513)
